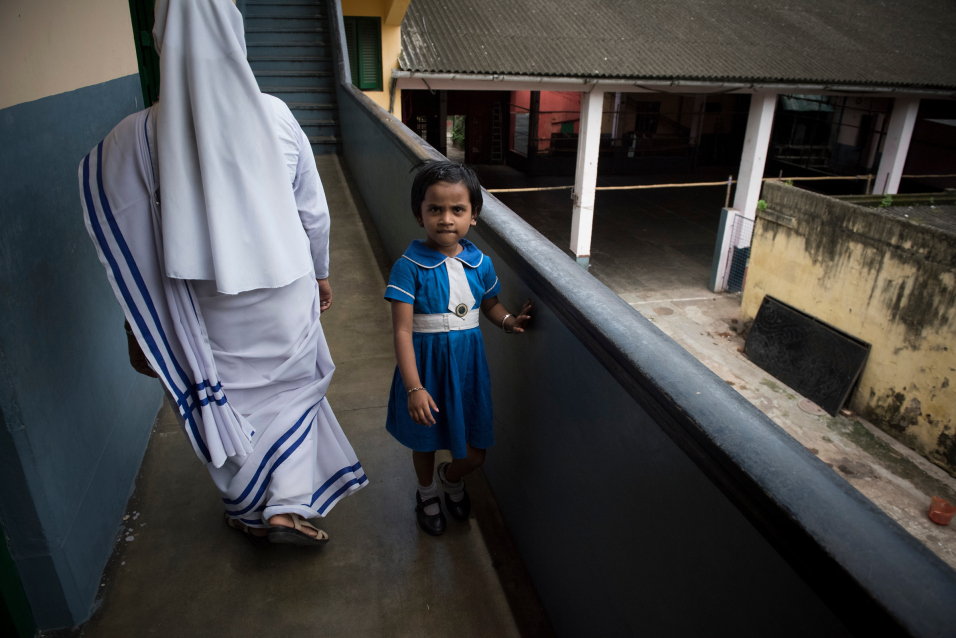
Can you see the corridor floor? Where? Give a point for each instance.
(178, 570)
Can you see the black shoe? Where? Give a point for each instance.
(434, 525)
(460, 510)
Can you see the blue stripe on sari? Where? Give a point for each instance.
(124, 289)
(262, 488)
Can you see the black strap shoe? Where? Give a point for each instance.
(434, 525)
(460, 510)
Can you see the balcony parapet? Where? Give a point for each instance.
(645, 494)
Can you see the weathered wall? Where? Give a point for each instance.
(391, 12)
(889, 282)
(74, 417)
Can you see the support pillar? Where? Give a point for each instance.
(534, 133)
(585, 175)
(897, 143)
(616, 121)
(749, 180)
(875, 141)
(443, 123)
(697, 119)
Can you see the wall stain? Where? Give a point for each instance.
(831, 229)
(894, 415)
(945, 452)
(888, 411)
(910, 271)
(889, 458)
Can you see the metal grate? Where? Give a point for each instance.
(421, 126)
(738, 257)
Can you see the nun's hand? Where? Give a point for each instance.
(325, 295)
(137, 359)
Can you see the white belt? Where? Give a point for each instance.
(444, 322)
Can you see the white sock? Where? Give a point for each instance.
(455, 491)
(430, 492)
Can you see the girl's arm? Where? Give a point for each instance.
(495, 312)
(420, 403)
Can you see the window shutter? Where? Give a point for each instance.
(370, 57)
(351, 42)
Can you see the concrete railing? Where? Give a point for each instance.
(645, 495)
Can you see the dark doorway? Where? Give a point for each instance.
(141, 13)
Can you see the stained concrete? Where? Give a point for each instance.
(179, 570)
(651, 248)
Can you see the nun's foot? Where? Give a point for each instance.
(284, 520)
(255, 534)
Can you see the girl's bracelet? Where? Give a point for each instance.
(503, 319)
(414, 390)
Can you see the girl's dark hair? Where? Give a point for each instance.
(433, 171)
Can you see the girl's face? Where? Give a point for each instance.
(446, 216)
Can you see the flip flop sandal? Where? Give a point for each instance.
(258, 541)
(283, 535)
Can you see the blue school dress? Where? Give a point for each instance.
(446, 293)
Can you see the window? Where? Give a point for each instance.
(363, 36)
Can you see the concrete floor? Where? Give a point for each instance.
(654, 249)
(646, 242)
(178, 570)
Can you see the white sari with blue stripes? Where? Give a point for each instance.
(247, 373)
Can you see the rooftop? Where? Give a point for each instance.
(910, 44)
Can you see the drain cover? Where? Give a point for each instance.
(810, 407)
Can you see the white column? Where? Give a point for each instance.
(749, 181)
(754, 157)
(896, 146)
(585, 175)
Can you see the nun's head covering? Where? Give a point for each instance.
(228, 211)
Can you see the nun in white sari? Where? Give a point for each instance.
(209, 216)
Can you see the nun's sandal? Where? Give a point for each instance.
(258, 541)
(282, 535)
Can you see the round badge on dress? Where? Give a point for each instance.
(461, 310)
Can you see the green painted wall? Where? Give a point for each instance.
(74, 417)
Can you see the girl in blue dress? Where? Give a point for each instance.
(441, 392)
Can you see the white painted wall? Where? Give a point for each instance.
(54, 46)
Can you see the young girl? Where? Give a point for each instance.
(441, 394)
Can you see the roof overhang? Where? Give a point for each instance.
(482, 82)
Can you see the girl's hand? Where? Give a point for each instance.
(522, 319)
(420, 406)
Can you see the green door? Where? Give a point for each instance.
(141, 13)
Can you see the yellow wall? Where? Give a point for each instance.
(53, 46)
(889, 283)
(391, 12)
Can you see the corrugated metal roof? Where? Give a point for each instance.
(904, 43)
